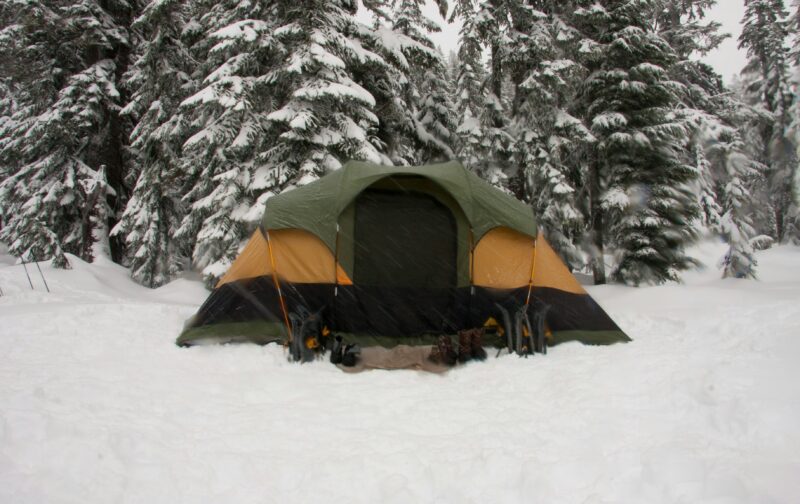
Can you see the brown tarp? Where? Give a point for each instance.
(399, 357)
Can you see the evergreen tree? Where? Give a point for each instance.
(495, 25)
(710, 208)
(684, 25)
(469, 93)
(7, 106)
(434, 126)
(765, 36)
(731, 170)
(793, 226)
(435, 116)
(749, 120)
(228, 118)
(161, 78)
(327, 117)
(550, 138)
(409, 89)
(280, 106)
(639, 181)
(63, 144)
(725, 167)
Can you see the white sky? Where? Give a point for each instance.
(727, 60)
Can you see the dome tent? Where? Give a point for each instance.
(395, 255)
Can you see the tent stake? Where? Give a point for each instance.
(42, 275)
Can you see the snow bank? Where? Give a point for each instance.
(98, 405)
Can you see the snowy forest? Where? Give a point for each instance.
(154, 132)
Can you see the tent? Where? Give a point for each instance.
(395, 255)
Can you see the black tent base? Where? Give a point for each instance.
(249, 310)
(262, 333)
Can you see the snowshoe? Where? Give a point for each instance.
(337, 350)
(540, 310)
(507, 327)
(306, 334)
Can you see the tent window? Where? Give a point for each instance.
(404, 239)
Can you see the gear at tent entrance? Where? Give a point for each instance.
(278, 288)
(492, 326)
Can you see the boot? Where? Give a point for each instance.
(476, 344)
(464, 345)
(447, 355)
(435, 356)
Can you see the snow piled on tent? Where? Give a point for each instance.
(98, 405)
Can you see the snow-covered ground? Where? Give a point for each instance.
(97, 404)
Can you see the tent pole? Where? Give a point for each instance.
(471, 273)
(278, 287)
(335, 278)
(533, 269)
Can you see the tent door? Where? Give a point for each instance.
(403, 239)
(404, 262)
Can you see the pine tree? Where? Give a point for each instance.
(726, 169)
(765, 36)
(494, 25)
(408, 86)
(7, 107)
(793, 225)
(426, 94)
(739, 262)
(64, 142)
(748, 120)
(639, 181)
(731, 169)
(710, 208)
(684, 25)
(435, 115)
(228, 120)
(161, 79)
(280, 106)
(550, 138)
(469, 93)
(327, 116)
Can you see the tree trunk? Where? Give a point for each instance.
(111, 154)
(596, 217)
(497, 71)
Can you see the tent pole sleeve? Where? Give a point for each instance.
(278, 287)
(533, 269)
